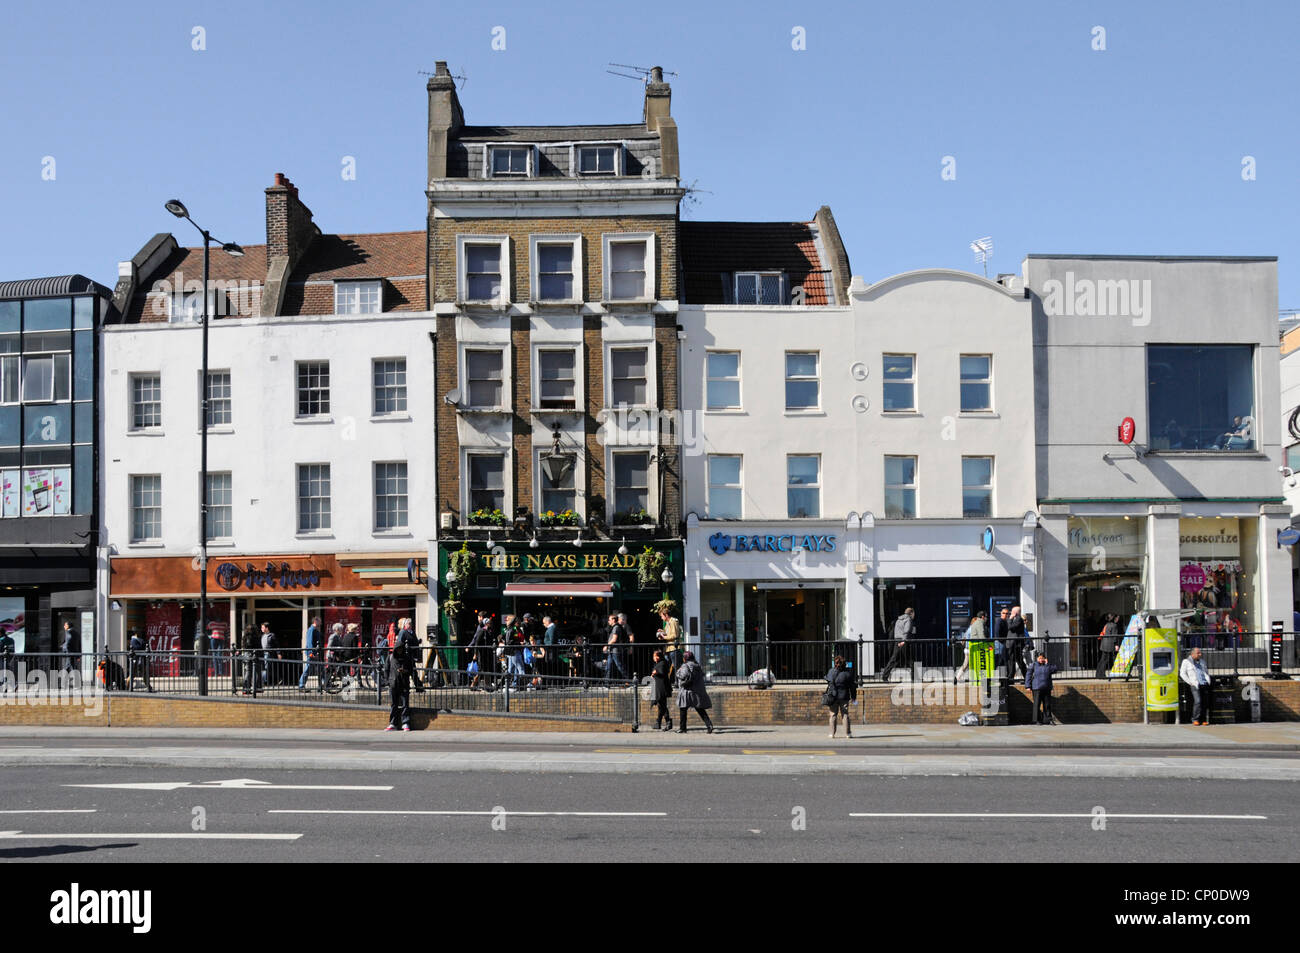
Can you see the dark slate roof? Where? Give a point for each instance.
(555, 133)
(55, 287)
(710, 251)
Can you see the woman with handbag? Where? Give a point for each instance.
(691, 693)
(659, 681)
(841, 691)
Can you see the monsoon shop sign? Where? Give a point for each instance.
(722, 543)
(230, 577)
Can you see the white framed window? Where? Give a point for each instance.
(146, 508)
(899, 382)
(557, 482)
(219, 399)
(759, 287)
(725, 498)
(509, 161)
(10, 379)
(390, 497)
(313, 388)
(722, 380)
(802, 380)
(186, 307)
(555, 263)
(629, 266)
(629, 381)
(389, 377)
(976, 383)
(803, 477)
(484, 378)
(146, 401)
(556, 381)
(358, 297)
(483, 262)
(46, 378)
(977, 487)
(598, 159)
(486, 481)
(900, 488)
(221, 521)
(631, 496)
(313, 498)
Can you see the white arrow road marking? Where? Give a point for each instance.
(1089, 814)
(485, 813)
(71, 810)
(19, 835)
(237, 784)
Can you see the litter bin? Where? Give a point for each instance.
(1223, 699)
(997, 710)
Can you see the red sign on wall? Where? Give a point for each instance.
(1127, 430)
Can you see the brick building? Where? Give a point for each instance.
(552, 262)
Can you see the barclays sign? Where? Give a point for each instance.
(723, 543)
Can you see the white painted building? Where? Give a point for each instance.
(849, 458)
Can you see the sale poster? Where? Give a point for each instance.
(38, 492)
(162, 629)
(9, 494)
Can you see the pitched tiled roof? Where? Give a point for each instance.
(378, 255)
(711, 252)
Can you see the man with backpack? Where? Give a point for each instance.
(401, 670)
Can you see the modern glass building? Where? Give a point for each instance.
(48, 472)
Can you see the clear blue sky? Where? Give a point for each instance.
(1058, 148)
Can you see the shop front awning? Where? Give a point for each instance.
(589, 590)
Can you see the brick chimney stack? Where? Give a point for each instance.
(658, 118)
(289, 233)
(445, 118)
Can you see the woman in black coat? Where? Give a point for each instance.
(659, 680)
(841, 691)
(691, 692)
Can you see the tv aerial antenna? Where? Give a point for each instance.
(641, 73)
(461, 79)
(983, 249)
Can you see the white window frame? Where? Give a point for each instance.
(177, 312)
(535, 285)
(506, 376)
(579, 488)
(914, 486)
(989, 486)
(817, 378)
(962, 381)
(131, 508)
(652, 382)
(531, 160)
(357, 290)
(740, 382)
(575, 351)
(297, 389)
(131, 402)
(230, 400)
(404, 412)
(652, 483)
(609, 239)
(228, 537)
(758, 276)
(739, 487)
(298, 498)
(405, 527)
(507, 484)
(915, 403)
(575, 157)
(805, 486)
(462, 276)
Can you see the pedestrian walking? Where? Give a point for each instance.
(8, 667)
(71, 648)
(671, 634)
(841, 692)
(482, 638)
(692, 693)
(974, 633)
(137, 661)
(1197, 677)
(334, 647)
(270, 673)
(1015, 650)
(401, 672)
(904, 632)
(1039, 681)
(249, 657)
(312, 661)
(1107, 643)
(660, 679)
(615, 659)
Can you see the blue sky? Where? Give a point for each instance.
(1057, 147)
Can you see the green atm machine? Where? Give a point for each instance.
(1160, 662)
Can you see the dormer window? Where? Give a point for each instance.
(186, 307)
(598, 160)
(759, 287)
(510, 161)
(358, 297)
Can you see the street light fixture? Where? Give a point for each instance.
(177, 208)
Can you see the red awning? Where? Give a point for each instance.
(589, 590)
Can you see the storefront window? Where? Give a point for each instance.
(1107, 565)
(1201, 397)
(1214, 579)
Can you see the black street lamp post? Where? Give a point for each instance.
(177, 208)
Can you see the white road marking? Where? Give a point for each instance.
(206, 835)
(70, 810)
(1089, 814)
(482, 813)
(236, 784)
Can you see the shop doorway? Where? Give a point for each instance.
(801, 626)
(1091, 605)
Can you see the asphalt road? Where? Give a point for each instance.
(634, 818)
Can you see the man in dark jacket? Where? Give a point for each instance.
(1106, 645)
(312, 661)
(1015, 648)
(904, 632)
(401, 670)
(1039, 681)
(71, 648)
(138, 661)
(842, 689)
(8, 669)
